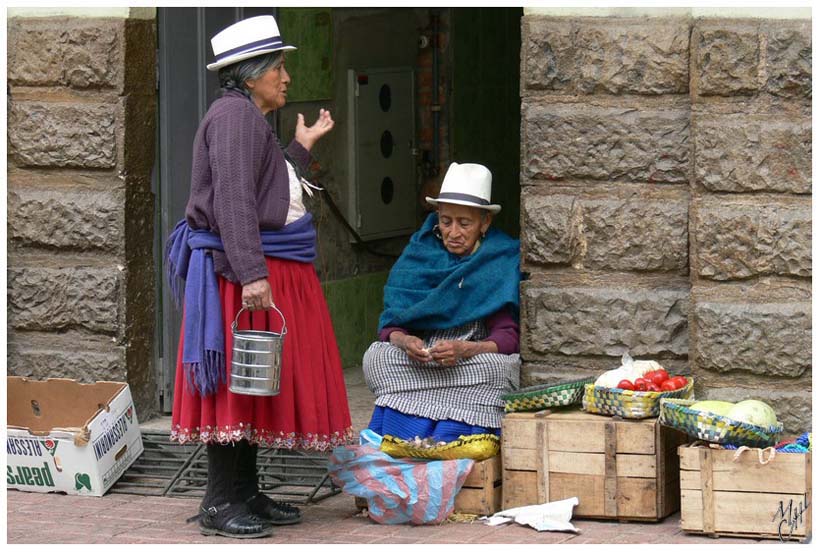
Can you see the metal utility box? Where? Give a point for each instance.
(382, 168)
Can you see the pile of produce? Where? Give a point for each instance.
(640, 375)
(748, 423)
(751, 412)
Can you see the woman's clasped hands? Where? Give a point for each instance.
(445, 353)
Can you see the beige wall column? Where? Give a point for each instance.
(750, 218)
(666, 208)
(81, 135)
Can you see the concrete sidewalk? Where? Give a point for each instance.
(125, 519)
(121, 519)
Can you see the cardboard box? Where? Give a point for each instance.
(619, 469)
(740, 497)
(68, 436)
(481, 492)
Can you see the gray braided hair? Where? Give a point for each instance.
(234, 76)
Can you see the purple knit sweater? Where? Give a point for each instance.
(239, 184)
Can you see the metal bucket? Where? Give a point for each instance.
(256, 363)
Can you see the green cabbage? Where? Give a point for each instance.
(721, 408)
(753, 412)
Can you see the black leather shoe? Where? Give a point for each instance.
(278, 513)
(232, 520)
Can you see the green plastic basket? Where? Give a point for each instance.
(714, 428)
(630, 404)
(540, 397)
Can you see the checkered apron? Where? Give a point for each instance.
(468, 392)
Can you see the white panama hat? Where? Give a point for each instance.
(467, 184)
(246, 39)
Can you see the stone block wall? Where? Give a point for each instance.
(750, 216)
(666, 208)
(81, 132)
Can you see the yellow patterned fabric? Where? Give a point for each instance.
(630, 404)
(476, 447)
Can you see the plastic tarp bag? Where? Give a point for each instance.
(418, 492)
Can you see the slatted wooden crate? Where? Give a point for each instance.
(721, 495)
(618, 469)
(481, 492)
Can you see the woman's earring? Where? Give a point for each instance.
(483, 234)
(437, 232)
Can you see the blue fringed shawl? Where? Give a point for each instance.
(188, 261)
(429, 288)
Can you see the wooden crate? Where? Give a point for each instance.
(481, 492)
(618, 469)
(724, 496)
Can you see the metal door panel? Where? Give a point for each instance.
(384, 176)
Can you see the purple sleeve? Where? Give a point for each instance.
(503, 332)
(384, 335)
(236, 144)
(299, 154)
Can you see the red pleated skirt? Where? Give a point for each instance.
(311, 410)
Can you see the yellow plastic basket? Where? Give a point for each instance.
(630, 404)
(476, 447)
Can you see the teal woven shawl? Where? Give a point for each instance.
(429, 288)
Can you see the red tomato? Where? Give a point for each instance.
(669, 385)
(658, 377)
(640, 384)
(648, 375)
(680, 382)
(651, 386)
(626, 384)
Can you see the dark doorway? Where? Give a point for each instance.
(483, 106)
(486, 105)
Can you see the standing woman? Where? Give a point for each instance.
(247, 241)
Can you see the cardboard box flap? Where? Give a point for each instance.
(40, 406)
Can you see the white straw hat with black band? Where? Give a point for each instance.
(467, 184)
(246, 39)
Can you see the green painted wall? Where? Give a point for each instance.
(355, 305)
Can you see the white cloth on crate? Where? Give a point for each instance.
(468, 392)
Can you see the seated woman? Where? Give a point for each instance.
(448, 335)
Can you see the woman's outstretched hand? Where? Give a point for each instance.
(257, 295)
(309, 135)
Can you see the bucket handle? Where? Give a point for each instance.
(284, 324)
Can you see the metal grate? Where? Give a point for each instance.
(169, 469)
(157, 467)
